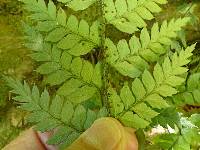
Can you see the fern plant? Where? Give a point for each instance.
(80, 60)
(185, 138)
(48, 114)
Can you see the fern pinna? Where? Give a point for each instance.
(81, 60)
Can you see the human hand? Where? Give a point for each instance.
(104, 134)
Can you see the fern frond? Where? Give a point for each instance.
(75, 36)
(57, 113)
(129, 15)
(60, 67)
(40, 10)
(167, 117)
(135, 106)
(191, 93)
(185, 139)
(144, 50)
(77, 5)
(81, 79)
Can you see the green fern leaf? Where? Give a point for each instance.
(81, 79)
(150, 89)
(129, 15)
(40, 10)
(102, 113)
(165, 141)
(133, 120)
(144, 111)
(193, 82)
(144, 50)
(79, 94)
(60, 136)
(34, 41)
(49, 114)
(79, 117)
(190, 95)
(48, 68)
(84, 82)
(168, 116)
(127, 96)
(57, 77)
(195, 119)
(156, 101)
(186, 138)
(115, 102)
(56, 35)
(138, 89)
(81, 37)
(77, 38)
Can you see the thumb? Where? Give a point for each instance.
(106, 134)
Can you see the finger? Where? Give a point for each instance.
(106, 134)
(28, 140)
(132, 143)
(44, 138)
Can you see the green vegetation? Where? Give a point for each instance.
(134, 60)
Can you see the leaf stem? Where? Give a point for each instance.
(102, 21)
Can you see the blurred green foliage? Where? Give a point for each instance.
(13, 61)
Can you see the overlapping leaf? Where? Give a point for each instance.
(137, 55)
(129, 15)
(135, 106)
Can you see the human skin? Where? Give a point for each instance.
(105, 134)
